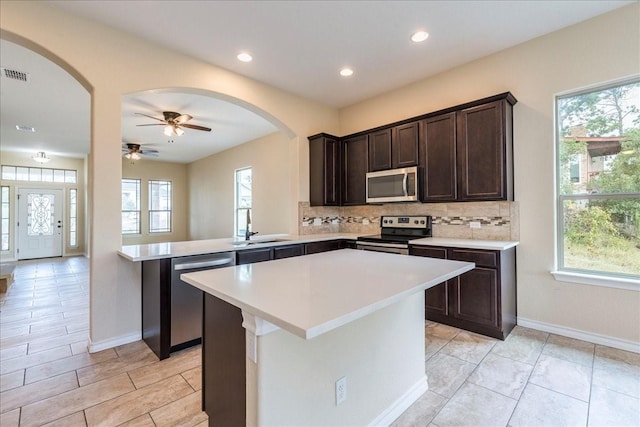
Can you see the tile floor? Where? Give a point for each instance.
(48, 378)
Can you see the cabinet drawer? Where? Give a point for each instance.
(280, 252)
(428, 251)
(324, 246)
(480, 257)
(253, 255)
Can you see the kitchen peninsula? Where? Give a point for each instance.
(278, 335)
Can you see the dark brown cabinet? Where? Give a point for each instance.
(288, 251)
(324, 170)
(465, 153)
(380, 150)
(484, 152)
(355, 162)
(249, 256)
(405, 140)
(394, 147)
(324, 246)
(482, 300)
(439, 176)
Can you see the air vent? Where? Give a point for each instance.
(15, 74)
(25, 128)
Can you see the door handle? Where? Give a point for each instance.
(404, 184)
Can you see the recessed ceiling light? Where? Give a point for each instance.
(245, 57)
(419, 36)
(346, 72)
(25, 128)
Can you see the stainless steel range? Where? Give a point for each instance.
(395, 233)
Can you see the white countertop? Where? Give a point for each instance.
(198, 247)
(152, 251)
(492, 245)
(313, 294)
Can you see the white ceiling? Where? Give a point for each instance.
(298, 46)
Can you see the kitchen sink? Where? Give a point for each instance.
(257, 242)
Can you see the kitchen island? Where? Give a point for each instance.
(277, 336)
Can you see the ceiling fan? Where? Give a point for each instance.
(135, 152)
(174, 122)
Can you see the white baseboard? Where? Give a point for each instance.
(94, 347)
(581, 335)
(389, 415)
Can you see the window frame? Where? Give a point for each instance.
(580, 275)
(73, 218)
(236, 201)
(139, 210)
(5, 231)
(168, 211)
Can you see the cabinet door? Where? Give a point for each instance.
(439, 182)
(380, 150)
(404, 145)
(329, 245)
(324, 171)
(436, 298)
(249, 256)
(355, 168)
(475, 296)
(481, 153)
(288, 251)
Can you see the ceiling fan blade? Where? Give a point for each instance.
(196, 127)
(149, 153)
(182, 118)
(154, 124)
(151, 117)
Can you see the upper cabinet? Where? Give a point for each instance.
(394, 147)
(484, 152)
(465, 153)
(324, 170)
(355, 168)
(380, 150)
(439, 176)
(405, 141)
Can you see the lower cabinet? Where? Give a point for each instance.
(482, 300)
(253, 255)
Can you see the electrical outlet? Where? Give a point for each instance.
(317, 221)
(341, 390)
(365, 221)
(474, 224)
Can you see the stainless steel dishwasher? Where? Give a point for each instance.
(186, 300)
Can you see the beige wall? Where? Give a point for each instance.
(599, 50)
(24, 159)
(146, 170)
(212, 188)
(94, 54)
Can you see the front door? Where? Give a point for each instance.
(39, 223)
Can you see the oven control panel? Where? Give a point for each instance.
(412, 221)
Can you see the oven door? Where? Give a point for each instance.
(393, 248)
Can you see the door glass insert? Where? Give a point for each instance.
(40, 214)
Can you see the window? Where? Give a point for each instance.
(73, 217)
(4, 218)
(243, 201)
(598, 158)
(17, 173)
(130, 206)
(159, 206)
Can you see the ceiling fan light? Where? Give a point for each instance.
(178, 131)
(135, 156)
(41, 157)
(168, 130)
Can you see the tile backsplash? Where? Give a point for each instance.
(498, 220)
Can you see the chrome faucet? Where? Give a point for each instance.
(247, 233)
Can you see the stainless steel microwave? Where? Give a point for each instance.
(394, 185)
